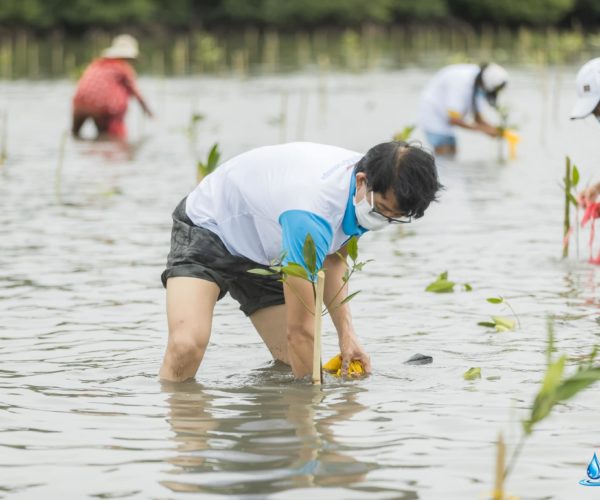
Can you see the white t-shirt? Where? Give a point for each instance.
(450, 90)
(265, 201)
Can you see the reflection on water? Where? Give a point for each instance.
(83, 328)
(262, 440)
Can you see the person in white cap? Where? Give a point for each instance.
(104, 89)
(454, 93)
(587, 85)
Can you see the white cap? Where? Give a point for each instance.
(123, 47)
(493, 77)
(587, 85)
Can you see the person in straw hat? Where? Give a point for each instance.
(587, 85)
(103, 91)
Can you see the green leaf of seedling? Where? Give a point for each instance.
(441, 285)
(472, 374)
(346, 276)
(309, 251)
(577, 383)
(350, 297)
(352, 247)
(261, 272)
(467, 287)
(574, 176)
(495, 300)
(443, 276)
(405, 133)
(487, 324)
(213, 157)
(197, 117)
(504, 324)
(293, 269)
(572, 199)
(276, 269)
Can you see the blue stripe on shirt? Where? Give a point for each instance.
(295, 225)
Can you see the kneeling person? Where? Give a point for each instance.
(262, 204)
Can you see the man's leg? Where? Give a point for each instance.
(190, 305)
(445, 150)
(271, 326)
(78, 121)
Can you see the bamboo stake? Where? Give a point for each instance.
(498, 493)
(317, 372)
(59, 166)
(567, 217)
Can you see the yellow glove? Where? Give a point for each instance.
(512, 138)
(334, 366)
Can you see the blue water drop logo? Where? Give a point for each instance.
(593, 472)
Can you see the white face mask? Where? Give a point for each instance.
(366, 217)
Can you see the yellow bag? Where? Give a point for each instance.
(512, 138)
(334, 366)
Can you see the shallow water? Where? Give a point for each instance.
(83, 328)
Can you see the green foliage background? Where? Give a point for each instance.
(281, 14)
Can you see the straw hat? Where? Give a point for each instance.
(123, 47)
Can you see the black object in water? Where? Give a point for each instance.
(419, 359)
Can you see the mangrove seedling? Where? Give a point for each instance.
(556, 387)
(405, 133)
(443, 285)
(310, 272)
(205, 168)
(570, 182)
(501, 323)
(316, 277)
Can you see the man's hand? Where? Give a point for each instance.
(589, 195)
(352, 351)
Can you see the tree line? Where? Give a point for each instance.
(81, 15)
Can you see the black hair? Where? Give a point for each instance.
(406, 168)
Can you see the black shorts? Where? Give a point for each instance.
(197, 252)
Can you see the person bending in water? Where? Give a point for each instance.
(455, 92)
(104, 88)
(587, 85)
(262, 204)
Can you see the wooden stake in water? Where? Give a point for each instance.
(317, 373)
(498, 493)
(4, 146)
(567, 217)
(59, 166)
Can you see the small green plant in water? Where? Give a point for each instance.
(501, 323)
(293, 269)
(472, 373)
(555, 388)
(405, 133)
(443, 285)
(569, 186)
(205, 168)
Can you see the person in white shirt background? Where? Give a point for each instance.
(587, 85)
(454, 93)
(262, 204)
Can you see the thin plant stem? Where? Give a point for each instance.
(514, 456)
(513, 313)
(298, 295)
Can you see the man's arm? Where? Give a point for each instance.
(350, 347)
(480, 124)
(299, 307)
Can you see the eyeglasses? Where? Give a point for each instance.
(390, 220)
